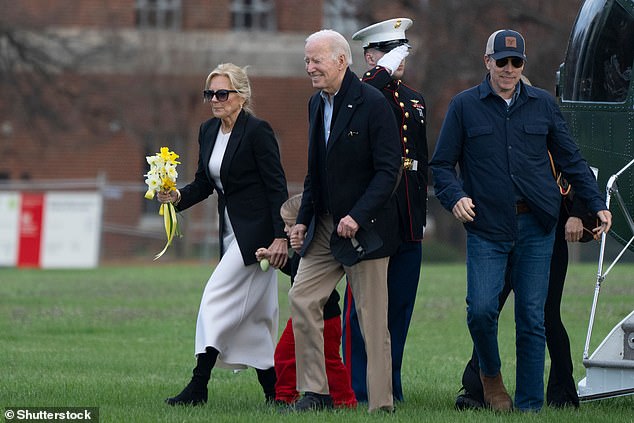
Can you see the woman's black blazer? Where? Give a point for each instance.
(253, 181)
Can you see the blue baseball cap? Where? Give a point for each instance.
(505, 43)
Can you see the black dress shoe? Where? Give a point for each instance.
(193, 394)
(466, 401)
(313, 402)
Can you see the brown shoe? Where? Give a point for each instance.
(495, 394)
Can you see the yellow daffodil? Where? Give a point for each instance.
(170, 171)
(168, 156)
(167, 184)
(162, 177)
(152, 160)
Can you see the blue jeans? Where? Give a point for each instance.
(528, 261)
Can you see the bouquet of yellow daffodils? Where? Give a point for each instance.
(162, 177)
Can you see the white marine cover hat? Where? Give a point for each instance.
(384, 35)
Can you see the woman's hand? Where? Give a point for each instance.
(278, 251)
(173, 196)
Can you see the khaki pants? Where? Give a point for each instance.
(317, 275)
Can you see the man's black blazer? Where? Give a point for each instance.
(363, 160)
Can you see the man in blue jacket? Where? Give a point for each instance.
(499, 133)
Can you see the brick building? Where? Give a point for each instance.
(137, 86)
(133, 84)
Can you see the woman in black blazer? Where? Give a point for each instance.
(238, 159)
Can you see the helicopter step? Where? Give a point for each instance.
(610, 369)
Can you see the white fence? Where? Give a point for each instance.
(82, 222)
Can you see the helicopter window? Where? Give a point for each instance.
(599, 66)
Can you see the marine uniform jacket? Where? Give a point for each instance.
(503, 152)
(411, 116)
(361, 164)
(254, 185)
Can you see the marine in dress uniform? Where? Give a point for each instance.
(379, 43)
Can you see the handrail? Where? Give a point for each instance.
(611, 190)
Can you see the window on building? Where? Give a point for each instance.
(253, 15)
(160, 14)
(341, 15)
(599, 62)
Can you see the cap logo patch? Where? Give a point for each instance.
(510, 42)
(397, 24)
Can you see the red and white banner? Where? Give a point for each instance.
(30, 231)
(54, 229)
(9, 227)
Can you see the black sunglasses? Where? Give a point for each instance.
(517, 62)
(221, 95)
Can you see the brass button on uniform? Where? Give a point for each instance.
(401, 104)
(404, 127)
(406, 114)
(396, 95)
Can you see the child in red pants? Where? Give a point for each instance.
(338, 377)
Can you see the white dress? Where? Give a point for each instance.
(239, 311)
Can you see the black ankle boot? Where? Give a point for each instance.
(195, 393)
(267, 379)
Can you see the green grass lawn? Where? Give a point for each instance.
(121, 338)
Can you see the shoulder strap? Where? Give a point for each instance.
(562, 183)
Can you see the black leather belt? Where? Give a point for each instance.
(521, 207)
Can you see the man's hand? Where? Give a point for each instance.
(392, 60)
(463, 210)
(347, 227)
(278, 252)
(605, 217)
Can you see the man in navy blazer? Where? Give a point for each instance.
(347, 221)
